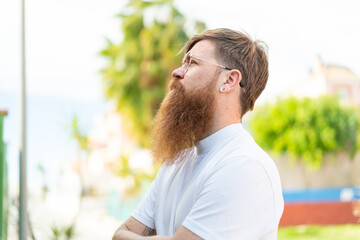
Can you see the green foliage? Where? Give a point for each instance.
(63, 233)
(343, 232)
(140, 65)
(56, 233)
(69, 232)
(358, 130)
(4, 185)
(306, 128)
(137, 176)
(77, 134)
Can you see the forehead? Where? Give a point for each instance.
(204, 49)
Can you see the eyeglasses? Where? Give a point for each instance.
(188, 60)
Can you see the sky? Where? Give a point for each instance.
(64, 38)
(63, 41)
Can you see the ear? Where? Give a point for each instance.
(232, 81)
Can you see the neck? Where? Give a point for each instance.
(222, 118)
(226, 112)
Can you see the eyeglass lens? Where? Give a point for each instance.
(187, 61)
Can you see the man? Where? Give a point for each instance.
(216, 182)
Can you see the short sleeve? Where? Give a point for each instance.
(235, 202)
(145, 212)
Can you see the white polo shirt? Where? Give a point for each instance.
(229, 189)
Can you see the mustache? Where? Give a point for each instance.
(175, 84)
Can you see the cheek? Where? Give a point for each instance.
(197, 80)
(189, 83)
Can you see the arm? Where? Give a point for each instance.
(184, 233)
(132, 229)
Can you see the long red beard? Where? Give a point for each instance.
(182, 121)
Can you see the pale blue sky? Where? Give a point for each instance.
(64, 37)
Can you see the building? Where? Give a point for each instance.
(330, 80)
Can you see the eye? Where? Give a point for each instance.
(192, 61)
(187, 60)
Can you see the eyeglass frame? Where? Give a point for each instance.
(187, 64)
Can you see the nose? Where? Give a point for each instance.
(179, 73)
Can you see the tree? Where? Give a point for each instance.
(306, 128)
(140, 66)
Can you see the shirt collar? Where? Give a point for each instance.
(218, 138)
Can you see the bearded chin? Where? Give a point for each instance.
(181, 122)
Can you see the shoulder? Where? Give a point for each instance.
(249, 161)
(242, 164)
(239, 170)
(244, 154)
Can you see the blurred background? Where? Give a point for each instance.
(96, 71)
